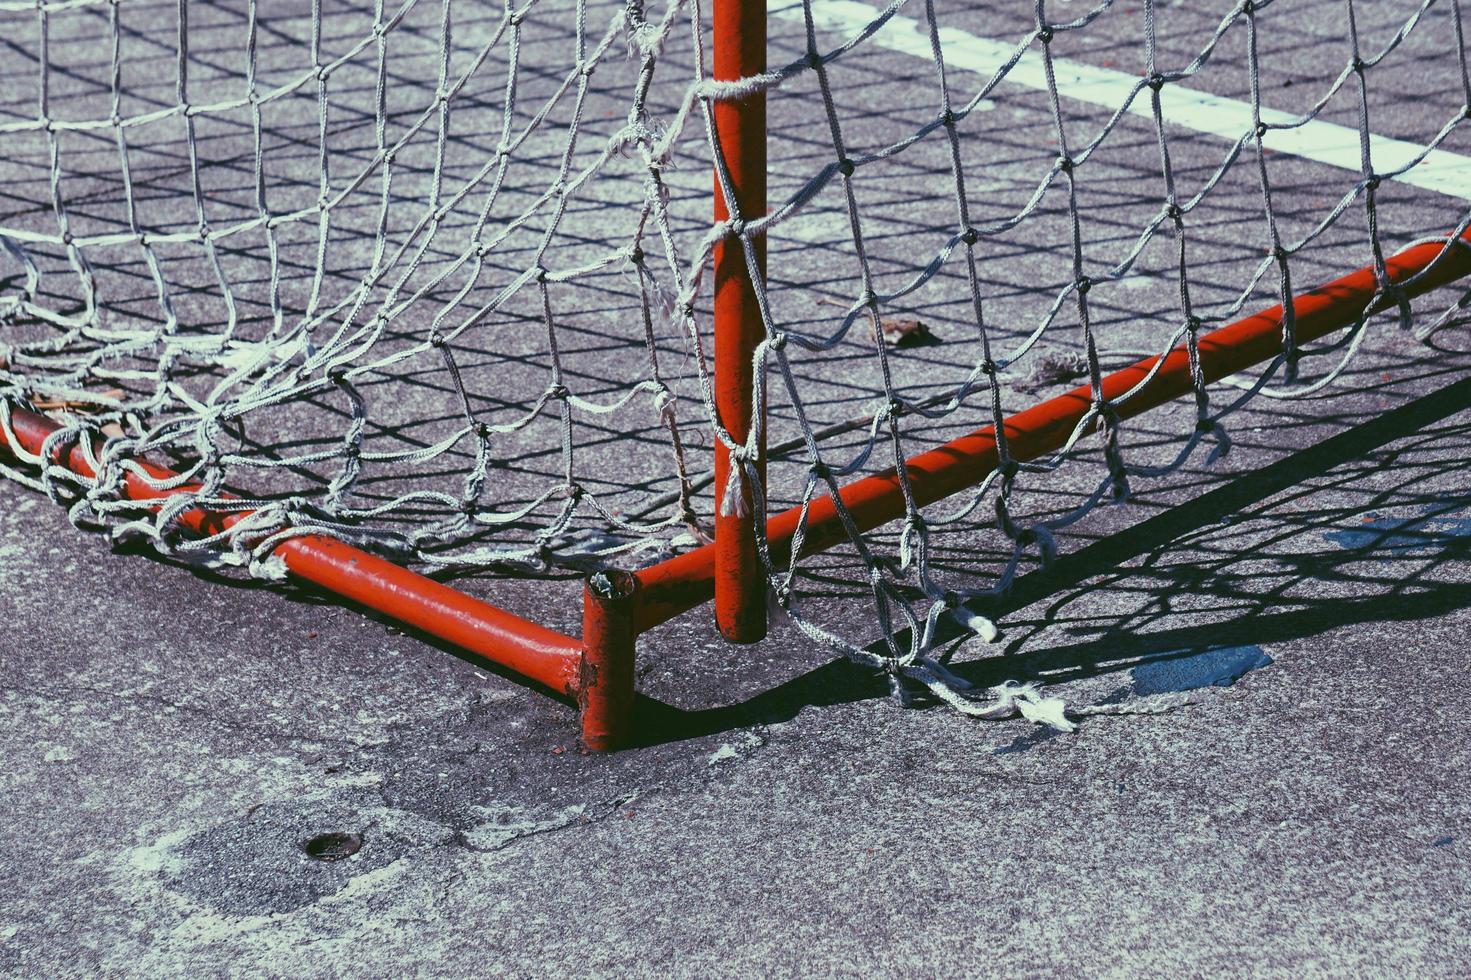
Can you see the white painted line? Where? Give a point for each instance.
(1323, 142)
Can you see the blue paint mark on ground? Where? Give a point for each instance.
(1401, 534)
(1443, 841)
(1171, 672)
(1219, 668)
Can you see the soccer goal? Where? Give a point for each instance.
(829, 310)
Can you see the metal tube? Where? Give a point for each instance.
(739, 30)
(533, 651)
(606, 684)
(681, 583)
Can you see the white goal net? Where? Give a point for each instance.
(432, 277)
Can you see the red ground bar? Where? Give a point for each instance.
(533, 651)
(686, 581)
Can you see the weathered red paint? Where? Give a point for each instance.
(530, 650)
(686, 581)
(606, 688)
(739, 29)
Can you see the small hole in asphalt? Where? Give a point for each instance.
(332, 847)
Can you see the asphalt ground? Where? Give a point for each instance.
(174, 739)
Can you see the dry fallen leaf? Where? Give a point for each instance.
(898, 331)
(1054, 367)
(907, 333)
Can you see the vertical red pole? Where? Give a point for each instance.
(605, 686)
(739, 52)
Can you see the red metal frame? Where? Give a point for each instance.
(530, 650)
(680, 583)
(597, 671)
(739, 29)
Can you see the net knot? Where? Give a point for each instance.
(1044, 35)
(911, 540)
(664, 403)
(733, 501)
(1156, 81)
(846, 167)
